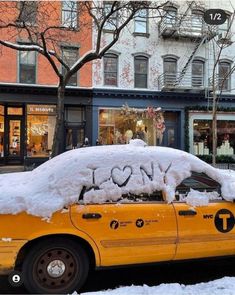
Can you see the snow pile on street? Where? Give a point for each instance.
(223, 286)
(104, 173)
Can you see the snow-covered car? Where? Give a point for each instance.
(111, 206)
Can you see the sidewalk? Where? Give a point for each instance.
(10, 169)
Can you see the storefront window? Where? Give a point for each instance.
(40, 129)
(116, 128)
(1, 131)
(202, 137)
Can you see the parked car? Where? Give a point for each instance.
(109, 206)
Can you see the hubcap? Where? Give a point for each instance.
(56, 268)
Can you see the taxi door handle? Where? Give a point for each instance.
(187, 212)
(91, 216)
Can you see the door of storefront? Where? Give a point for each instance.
(14, 140)
(74, 137)
(170, 136)
(171, 133)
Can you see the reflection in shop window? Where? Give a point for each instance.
(202, 137)
(115, 128)
(40, 130)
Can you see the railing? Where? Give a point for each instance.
(186, 27)
(169, 81)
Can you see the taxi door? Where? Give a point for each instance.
(129, 233)
(205, 231)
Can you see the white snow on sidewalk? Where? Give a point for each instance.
(224, 286)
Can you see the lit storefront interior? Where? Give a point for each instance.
(117, 128)
(200, 133)
(41, 121)
(28, 120)
(1, 131)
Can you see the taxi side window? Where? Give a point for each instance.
(197, 181)
(156, 196)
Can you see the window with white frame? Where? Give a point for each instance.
(110, 69)
(27, 67)
(70, 56)
(70, 14)
(170, 15)
(197, 19)
(111, 23)
(141, 21)
(224, 75)
(170, 70)
(141, 71)
(197, 73)
(28, 12)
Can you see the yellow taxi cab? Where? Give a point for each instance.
(141, 225)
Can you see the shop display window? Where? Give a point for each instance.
(202, 137)
(116, 128)
(1, 131)
(40, 130)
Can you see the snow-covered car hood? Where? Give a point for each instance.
(104, 173)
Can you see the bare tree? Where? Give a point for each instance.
(218, 80)
(17, 22)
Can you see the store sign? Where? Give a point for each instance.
(41, 110)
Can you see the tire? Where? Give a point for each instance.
(55, 266)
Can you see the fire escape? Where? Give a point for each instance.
(184, 27)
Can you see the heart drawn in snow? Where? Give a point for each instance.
(121, 176)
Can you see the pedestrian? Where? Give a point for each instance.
(86, 142)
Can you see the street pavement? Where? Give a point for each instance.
(183, 273)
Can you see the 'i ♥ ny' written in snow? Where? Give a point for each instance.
(129, 179)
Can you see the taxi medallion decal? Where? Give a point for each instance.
(224, 221)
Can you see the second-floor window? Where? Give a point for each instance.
(69, 14)
(70, 56)
(27, 67)
(170, 70)
(141, 71)
(224, 76)
(28, 12)
(141, 22)
(110, 69)
(197, 73)
(111, 23)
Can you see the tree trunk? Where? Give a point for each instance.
(214, 129)
(58, 140)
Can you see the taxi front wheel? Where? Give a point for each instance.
(55, 266)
